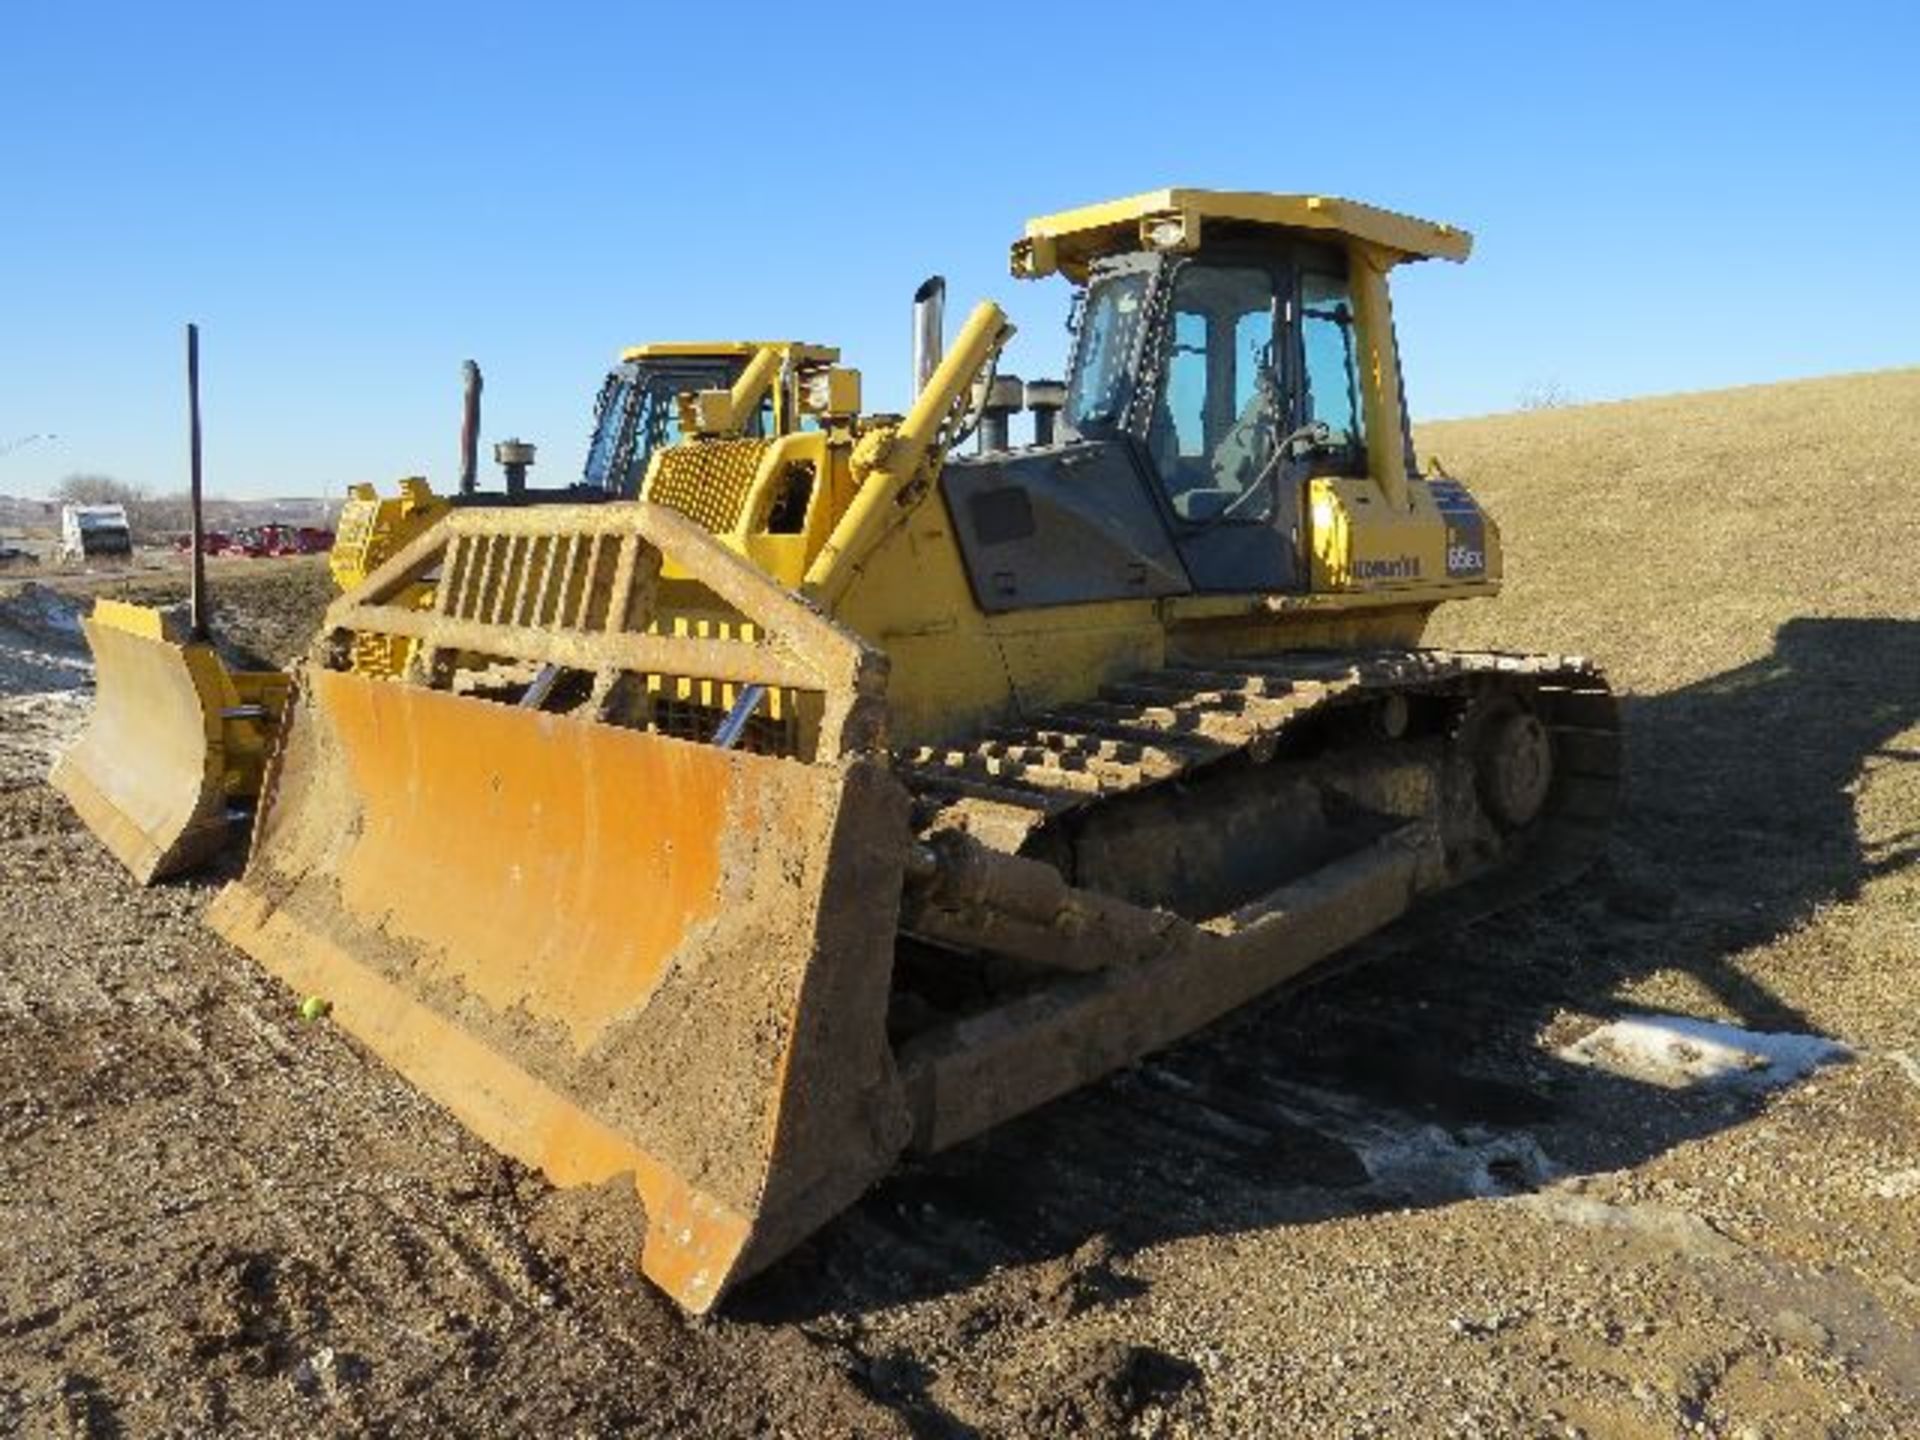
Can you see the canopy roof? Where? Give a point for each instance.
(1069, 241)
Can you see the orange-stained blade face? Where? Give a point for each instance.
(147, 777)
(605, 951)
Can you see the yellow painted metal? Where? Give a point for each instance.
(1379, 365)
(708, 482)
(734, 484)
(717, 1030)
(175, 740)
(768, 361)
(894, 466)
(726, 412)
(731, 488)
(1071, 240)
(833, 392)
(372, 527)
(1361, 547)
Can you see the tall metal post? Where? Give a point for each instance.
(197, 596)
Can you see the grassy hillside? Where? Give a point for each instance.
(1744, 564)
(1670, 537)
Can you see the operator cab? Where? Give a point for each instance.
(1234, 375)
(1221, 361)
(636, 412)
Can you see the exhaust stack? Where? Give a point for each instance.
(929, 342)
(470, 427)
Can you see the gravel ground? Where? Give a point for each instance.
(1392, 1205)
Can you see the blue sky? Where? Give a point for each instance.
(352, 199)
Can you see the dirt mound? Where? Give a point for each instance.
(268, 610)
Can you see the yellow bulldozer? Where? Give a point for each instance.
(846, 794)
(168, 769)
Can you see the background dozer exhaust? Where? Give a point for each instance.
(844, 795)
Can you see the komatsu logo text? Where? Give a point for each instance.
(1403, 567)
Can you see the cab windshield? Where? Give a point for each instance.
(1102, 360)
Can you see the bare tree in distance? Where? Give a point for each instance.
(159, 517)
(1546, 394)
(82, 489)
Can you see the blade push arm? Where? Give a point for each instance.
(895, 464)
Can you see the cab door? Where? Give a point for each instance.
(1225, 401)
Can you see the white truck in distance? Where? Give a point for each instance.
(90, 531)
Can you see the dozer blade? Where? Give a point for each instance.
(174, 742)
(607, 950)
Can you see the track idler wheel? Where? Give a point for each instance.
(1513, 763)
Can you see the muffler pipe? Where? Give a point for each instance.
(470, 427)
(998, 405)
(929, 334)
(515, 457)
(1046, 399)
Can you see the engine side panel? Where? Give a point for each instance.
(1062, 526)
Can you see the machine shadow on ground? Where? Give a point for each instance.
(1422, 1077)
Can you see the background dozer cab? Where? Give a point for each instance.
(846, 795)
(168, 769)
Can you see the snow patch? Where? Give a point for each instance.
(1662, 1225)
(1431, 1163)
(1677, 1052)
(38, 610)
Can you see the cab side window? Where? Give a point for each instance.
(1186, 420)
(1332, 378)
